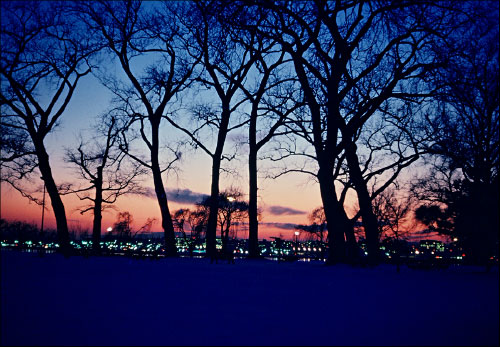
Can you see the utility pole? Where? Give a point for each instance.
(296, 242)
(43, 206)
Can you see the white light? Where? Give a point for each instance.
(297, 233)
(109, 229)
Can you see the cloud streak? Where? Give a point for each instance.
(286, 226)
(282, 210)
(185, 196)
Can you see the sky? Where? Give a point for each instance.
(285, 200)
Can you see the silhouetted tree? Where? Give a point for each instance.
(436, 218)
(270, 96)
(318, 228)
(123, 225)
(394, 216)
(226, 64)
(195, 220)
(179, 217)
(133, 32)
(393, 213)
(43, 57)
(232, 209)
(461, 194)
(21, 231)
(105, 169)
(123, 230)
(198, 220)
(351, 59)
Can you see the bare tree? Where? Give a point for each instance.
(133, 32)
(232, 209)
(226, 66)
(123, 225)
(393, 214)
(318, 217)
(271, 101)
(351, 59)
(460, 196)
(179, 217)
(197, 221)
(107, 173)
(193, 220)
(122, 228)
(395, 221)
(44, 55)
(271, 97)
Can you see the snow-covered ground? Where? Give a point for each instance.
(122, 301)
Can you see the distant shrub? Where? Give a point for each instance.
(22, 231)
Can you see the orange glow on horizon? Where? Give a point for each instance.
(14, 207)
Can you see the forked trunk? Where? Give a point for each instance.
(370, 223)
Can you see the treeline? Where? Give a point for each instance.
(22, 232)
(351, 92)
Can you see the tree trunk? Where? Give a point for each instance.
(211, 234)
(370, 223)
(214, 191)
(352, 244)
(253, 231)
(336, 221)
(55, 198)
(161, 196)
(96, 230)
(225, 235)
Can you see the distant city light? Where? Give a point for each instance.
(141, 247)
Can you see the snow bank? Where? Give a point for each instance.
(183, 301)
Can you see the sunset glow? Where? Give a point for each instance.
(237, 173)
